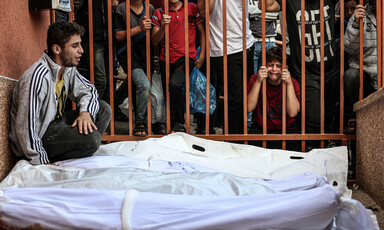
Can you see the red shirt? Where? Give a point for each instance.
(274, 105)
(177, 31)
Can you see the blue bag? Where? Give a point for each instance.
(197, 93)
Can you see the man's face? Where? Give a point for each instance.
(349, 9)
(71, 54)
(274, 72)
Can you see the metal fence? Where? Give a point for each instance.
(244, 136)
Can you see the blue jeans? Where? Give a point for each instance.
(100, 57)
(257, 55)
(62, 142)
(142, 90)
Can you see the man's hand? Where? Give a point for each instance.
(165, 19)
(286, 77)
(262, 74)
(146, 24)
(84, 123)
(199, 62)
(359, 13)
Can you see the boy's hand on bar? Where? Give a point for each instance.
(359, 13)
(262, 74)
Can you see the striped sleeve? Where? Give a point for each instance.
(156, 18)
(196, 14)
(35, 143)
(88, 100)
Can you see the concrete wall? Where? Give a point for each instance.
(6, 159)
(22, 36)
(370, 145)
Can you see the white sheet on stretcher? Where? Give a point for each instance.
(181, 194)
(58, 208)
(168, 178)
(237, 159)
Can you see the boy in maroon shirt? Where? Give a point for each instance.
(274, 75)
(175, 19)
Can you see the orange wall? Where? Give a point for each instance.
(22, 36)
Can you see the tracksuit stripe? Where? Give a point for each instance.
(35, 88)
(92, 107)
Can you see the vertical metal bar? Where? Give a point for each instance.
(264, 84)
(225, 69)
(187, 102)
(322, 70)
(245, 120)
(110, 64)
(52, 15)
(71, 13)
(70, 18)
(148, 55)
(341, 66)
(284, 111)
(167, 70)
(361, 57)
(208, 68)
(303, 72)
(379, 45)
(129, 65)
(91, 54)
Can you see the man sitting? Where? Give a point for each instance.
(41, 129)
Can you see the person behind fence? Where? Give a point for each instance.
(140, 23)
(313, 60)
(274, 75)
(100, 42)
(234, 55)
(352, 46)
(175, 20)
(41, 129)
(349, 9)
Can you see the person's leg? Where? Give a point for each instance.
(176, 90)
(142, 86)
(257, 56)
(351, 93)
(99, 66)
(235, 93)
(62, 142)
(331, 103)
(103, 116)
(235, 89)
(312, 110)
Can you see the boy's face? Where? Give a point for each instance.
(349, 9)
(274, 72)
(71, 54)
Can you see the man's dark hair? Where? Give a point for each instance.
(60, 32)
(274, 54)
